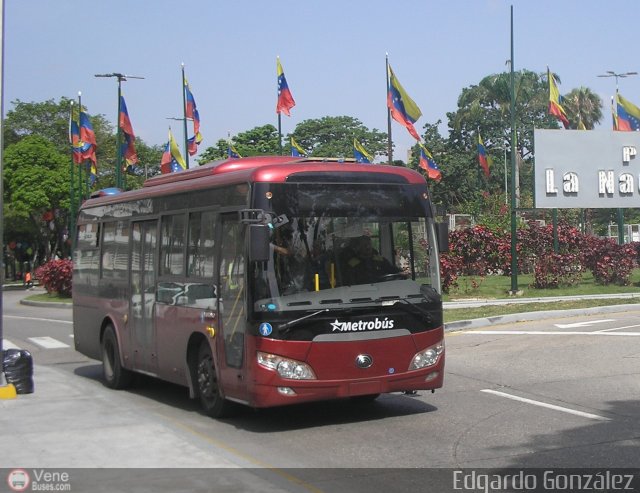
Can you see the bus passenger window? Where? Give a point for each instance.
(172, 246)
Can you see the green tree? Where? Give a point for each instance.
(48, 119)
(332, 136)
(485, 109)
(259, 141)
(36, 194)
(583, 108)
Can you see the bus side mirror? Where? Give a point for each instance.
(259, 242)
(442, 232)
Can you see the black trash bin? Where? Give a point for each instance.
(17, 365)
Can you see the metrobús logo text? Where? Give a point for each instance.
(362, 325)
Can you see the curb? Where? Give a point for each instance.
(531, 316)
(50, 304)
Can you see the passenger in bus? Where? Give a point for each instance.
(366, 265)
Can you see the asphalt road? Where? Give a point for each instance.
(552, 393)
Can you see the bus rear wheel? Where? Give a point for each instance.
(115, 376)
(213, 404)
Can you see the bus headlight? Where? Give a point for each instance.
(286, 368)
(427, 357)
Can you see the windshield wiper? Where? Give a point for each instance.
(284, 328)
(414, 309)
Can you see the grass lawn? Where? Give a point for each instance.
(498, 287)
(451, 315)
(53, 297)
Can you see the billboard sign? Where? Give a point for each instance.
(586, 169)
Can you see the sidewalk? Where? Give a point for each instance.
(77, 422)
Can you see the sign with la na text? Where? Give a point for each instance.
(587, 169)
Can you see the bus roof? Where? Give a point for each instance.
(257, 162)
(275, 169)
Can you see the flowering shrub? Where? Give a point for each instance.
(479, 251)
(55, 276)
(450, 268)
(557, 269)
(613, 263)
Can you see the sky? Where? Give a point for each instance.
(332, 52)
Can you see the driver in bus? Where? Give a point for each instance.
(366, 265)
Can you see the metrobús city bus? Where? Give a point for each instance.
(235, 280)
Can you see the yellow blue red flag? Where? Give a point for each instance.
(628, 117)
(483, 157)
(232, 152)
(360, 153)
(428, 164)
(172, 160)
(555, 108)
(127, 148)
(403, 109)
(285, 99)
(296, 150)
(191, 111)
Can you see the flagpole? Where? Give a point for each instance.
(514, 253)
(72, 195)
(184, 120)
(389, 144)
(120, 77)
(80, 187)
(280, 132)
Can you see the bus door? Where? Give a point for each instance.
(232, 316)
(143, 295)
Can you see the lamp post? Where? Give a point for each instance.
(512, 114)
(120, 77)
(617, 75)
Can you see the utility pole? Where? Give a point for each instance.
(120, 77)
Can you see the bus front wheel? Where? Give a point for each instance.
(212, 402)
(115, 376)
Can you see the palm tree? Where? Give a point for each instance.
(583, 108)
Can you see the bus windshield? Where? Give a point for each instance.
(335, 245)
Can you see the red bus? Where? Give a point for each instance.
(264, 281)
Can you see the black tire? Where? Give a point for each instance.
(115, 376)
(206, 382)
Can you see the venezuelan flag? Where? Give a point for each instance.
(285, 99)
(404, 110)
(428, 164)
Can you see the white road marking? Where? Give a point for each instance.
(618, 328)
(48, 342)
(583, 324)
(550, 333)
(8, 345)
(545, 405)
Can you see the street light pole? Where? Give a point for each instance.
(120, 77)
(620, 212)
(514, 232)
